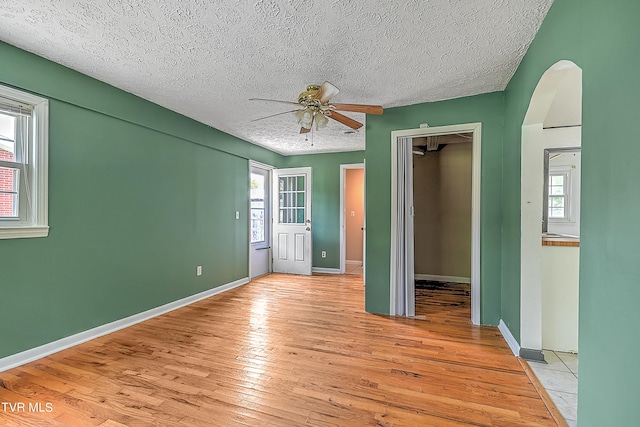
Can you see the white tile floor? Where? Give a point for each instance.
(559, 376)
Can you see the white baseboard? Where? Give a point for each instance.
(36, 353)
(325, 270)
(352, 262)
(437, 278)
(509, 338)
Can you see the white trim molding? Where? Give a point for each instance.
(324, 270)
(36, 353)
(438, 278)
(509, 338)
(23, 232)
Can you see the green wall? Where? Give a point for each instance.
(557, 39)
(325, 203)
(601, 38)
(487, 109)
(138, 197)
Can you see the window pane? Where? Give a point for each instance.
(291, 199)
(285, 216)
(257, 193)
(7, 137)
(557, 179)
(9, 179)
(257, 186)
(257, 225)
(556, 213)
(556, 190)
(556, 202)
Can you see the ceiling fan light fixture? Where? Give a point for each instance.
(304, 117)
(316, 107)
(321, 121)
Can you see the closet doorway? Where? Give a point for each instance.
(442, 183)
(403, 264)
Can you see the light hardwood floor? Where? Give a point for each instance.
(282, 351)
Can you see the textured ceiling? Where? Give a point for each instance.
(205, 59)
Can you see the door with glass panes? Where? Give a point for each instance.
(260, 221)
(292, 221)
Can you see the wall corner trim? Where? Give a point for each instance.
(39, 352)
(325, 270)
(509, 338)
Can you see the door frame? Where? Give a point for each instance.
(343, 229)
(476, 163)
(268, 212)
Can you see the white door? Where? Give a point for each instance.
(260, 221)
(292, 221)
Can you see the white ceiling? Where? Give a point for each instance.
(205, 59)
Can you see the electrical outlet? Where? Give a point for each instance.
(199, 270)
(324, 254)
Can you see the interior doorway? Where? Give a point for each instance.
(402, 277)
(550, 234)
(442, 182)
(352, 219)
(552, 124)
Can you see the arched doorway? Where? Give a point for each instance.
(555, 104)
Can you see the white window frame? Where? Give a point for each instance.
(566, 173)
(33, 220)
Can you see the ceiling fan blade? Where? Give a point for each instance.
(347, 121)
(273, 115)
(326, 92)
(305, 130)
(274, 100)
(359, 108)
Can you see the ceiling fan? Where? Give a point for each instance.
(314, 107)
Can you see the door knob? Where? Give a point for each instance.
(308, 228)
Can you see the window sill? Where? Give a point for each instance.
(23, 232)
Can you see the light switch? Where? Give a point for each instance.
(237, 214)
(353, 213)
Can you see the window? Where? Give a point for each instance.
(559, 196)
(23, 164)
(257, 208)
(291, 194)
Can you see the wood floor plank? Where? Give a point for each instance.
(286, 351)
